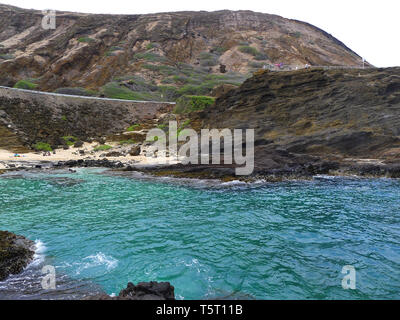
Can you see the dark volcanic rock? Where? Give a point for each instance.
(135, 151)
(16, 252)
(148, 291)
(143, 291)
(114, 154)
(78, 144)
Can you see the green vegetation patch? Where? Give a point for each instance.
(42, 146)
(125, 142)
(188, 104)
(76, 91)
(151, 46)
(25, 84)
(218, 50)
(116, 91)
(70, 140)
(261, 56)
(103, 147)
(249, 50)
(85, 39)
(134, 127)
(149, 56)
(208, 59)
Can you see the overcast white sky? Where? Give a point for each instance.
(369, 27)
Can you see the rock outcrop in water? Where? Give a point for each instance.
(143, 291)
(16, 252)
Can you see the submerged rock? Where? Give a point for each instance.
(142, 291)
(16, 252)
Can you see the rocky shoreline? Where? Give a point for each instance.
(142, 291)
(301, 171)
(16, 252)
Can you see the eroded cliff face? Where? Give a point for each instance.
(327, 114)
(27, 118)
(92, 50)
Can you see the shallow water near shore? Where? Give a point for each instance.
(286, 240)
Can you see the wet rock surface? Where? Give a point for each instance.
(16, 252)
(142, 291)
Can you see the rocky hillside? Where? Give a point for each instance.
(29, 118)
(311, 121)
(327, 114)
(155, 56)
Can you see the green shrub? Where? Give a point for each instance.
(64, 118)
(85, 39)
(103, 147)
(209, 63)
(168, 93)
(70, 140)
(150, 46)
(149, 56)
(42, 146)
(187, 104)
(261, 56)
(168, 80)
(208, 59)
(249, 50)
(114, 90)
(25, 84)
(124, 142)
(75, 92)
(218, 50)
(133, 127)
(162, 126)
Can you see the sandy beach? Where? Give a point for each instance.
(8, 158)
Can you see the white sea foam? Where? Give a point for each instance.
(39, 256)
(233, 183)
(325, 176)
(97, 260)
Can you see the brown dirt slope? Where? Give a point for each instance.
(90, 51)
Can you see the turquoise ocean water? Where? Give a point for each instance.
(286, 240)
